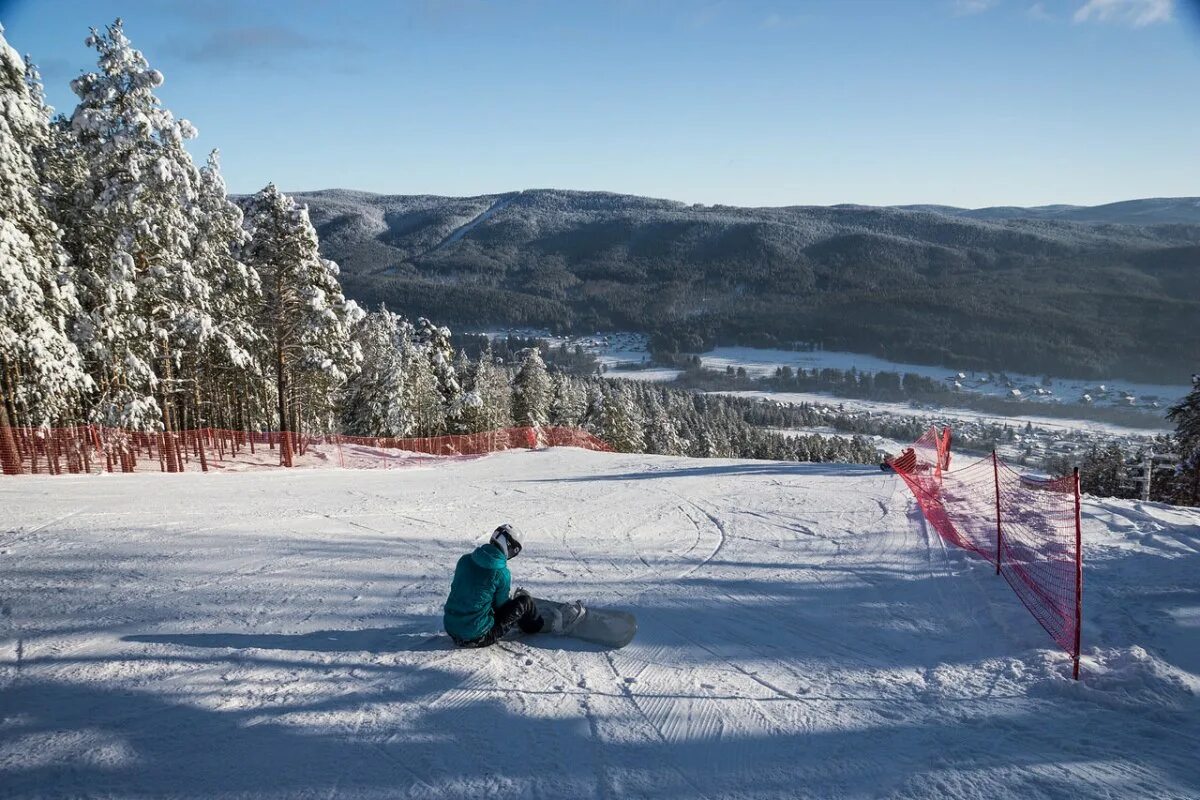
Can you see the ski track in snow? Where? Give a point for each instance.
(458, 233)
(802, 633)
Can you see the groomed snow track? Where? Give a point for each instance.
(802, 634)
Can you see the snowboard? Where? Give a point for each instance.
(604, 626)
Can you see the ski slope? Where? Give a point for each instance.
(802, 634)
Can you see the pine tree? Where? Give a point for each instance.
(41, 374)
(230, 362)
(427, 406)
(375, 402)
(619, 422)
(568, 402)
(1103, 472)
(661, 434)
(532, 391)
(492, 400)
(58, 155)
(1186, 416)
(593, 415)
(132, 226)
(707, 445)
(304, 316)
(435, 342)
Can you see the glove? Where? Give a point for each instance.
(520, 592)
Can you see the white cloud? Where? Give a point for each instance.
(1038, 12)
(966, 7)
(776, 21)
(1138, 13)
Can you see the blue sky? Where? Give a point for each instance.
(964, 102)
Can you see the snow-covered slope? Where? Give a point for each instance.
(803, 634)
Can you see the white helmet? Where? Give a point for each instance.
(505, 537)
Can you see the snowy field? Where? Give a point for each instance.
(951, 415)
(802, 634)
(758, 362)
(616, 350)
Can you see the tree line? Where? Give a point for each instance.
(1116, 471)
(138, 296)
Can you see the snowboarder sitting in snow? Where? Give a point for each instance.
(479, 611)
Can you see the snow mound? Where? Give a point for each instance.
(1129, 679)
(1144, 679)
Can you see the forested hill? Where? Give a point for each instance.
(1106, 291)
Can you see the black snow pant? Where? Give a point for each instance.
(519, 611)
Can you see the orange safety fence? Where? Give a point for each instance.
(1029, 528)
(89, 449)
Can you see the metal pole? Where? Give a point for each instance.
(1147, 474)
(1078, 573)
(996, 477)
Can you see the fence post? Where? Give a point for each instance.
(1078, 573)
(996, 477)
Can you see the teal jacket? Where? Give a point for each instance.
(481, 583)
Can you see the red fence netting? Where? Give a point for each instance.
(1028, 528)
(88, 449)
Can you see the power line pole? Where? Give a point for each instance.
(1147, 474)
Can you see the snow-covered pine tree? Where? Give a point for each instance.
(229, 365)
(1103, 472)
(435, 343)
(41, 373)
(1186, 416)
(130, 228)
(375, 400)
(304, 316)
(707, 443)
(426, 405)
(58, 156)
(568, 401)
(532, 390)
(464, 368)
(593, 415)
(661, 434)
(619, 422)
(488, 406)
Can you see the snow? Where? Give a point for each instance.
(952, 414)
(612, 350)
(758, 362)
(462, 231)
(652, 374)
(626, 355)
(802, 633)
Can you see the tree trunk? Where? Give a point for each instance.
(200, 431)
(10, 456)
(168, 440)
(285, 442)
(13, 379)
(297, 425)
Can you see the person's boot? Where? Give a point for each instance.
(531, 620)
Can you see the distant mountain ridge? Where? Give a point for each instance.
(1111, 290)
(1149, 211)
